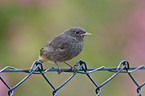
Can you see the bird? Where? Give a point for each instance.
(64, 47)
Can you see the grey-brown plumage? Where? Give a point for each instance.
(64, 47)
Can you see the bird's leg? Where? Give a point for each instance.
(69, 65)
(72, 67)
(59, 68)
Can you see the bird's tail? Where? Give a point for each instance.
(42, 59)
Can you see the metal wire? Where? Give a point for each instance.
(80, 68)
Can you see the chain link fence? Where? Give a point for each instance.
(80, 68)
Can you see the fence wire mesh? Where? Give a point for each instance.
(80, 68)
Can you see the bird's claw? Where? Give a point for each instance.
(74, 68)
(30, 70)
(59, 70)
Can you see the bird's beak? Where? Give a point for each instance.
(86, 34)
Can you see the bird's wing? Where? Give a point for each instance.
(56, 44)
(59, 42)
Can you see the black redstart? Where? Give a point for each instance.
(64, 46)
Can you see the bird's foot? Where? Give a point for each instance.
(74, 68)
(59, 70)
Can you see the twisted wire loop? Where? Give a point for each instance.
(80, 68)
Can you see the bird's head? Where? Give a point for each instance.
(77, 32)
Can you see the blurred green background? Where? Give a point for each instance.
(118, 30)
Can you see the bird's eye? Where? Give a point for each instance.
(77, 32)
